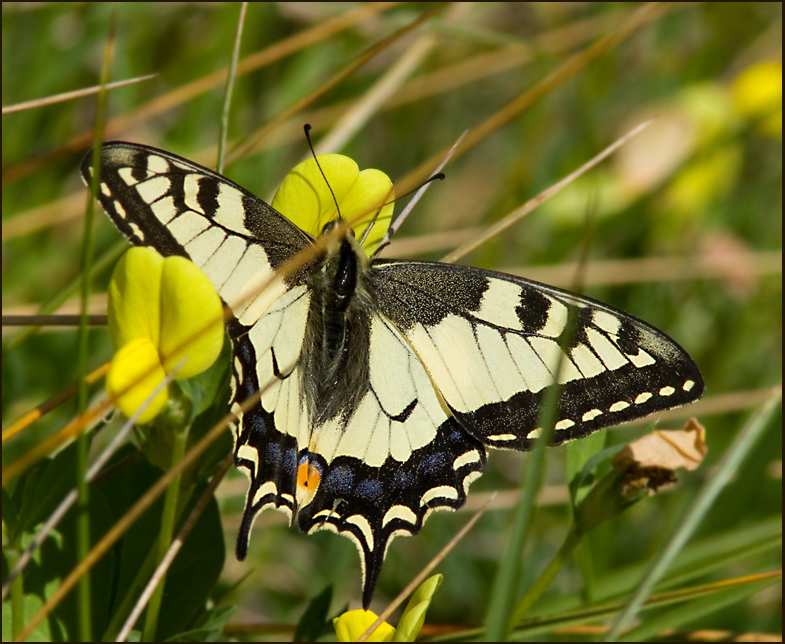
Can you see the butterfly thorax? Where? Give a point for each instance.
(337, 334)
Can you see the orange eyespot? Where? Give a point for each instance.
(309, 476)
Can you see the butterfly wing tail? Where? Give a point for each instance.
(373, 505)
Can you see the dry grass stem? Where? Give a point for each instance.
(191, 90)
(69, 96)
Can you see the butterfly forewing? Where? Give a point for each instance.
(492, 344)
(161, 200)
(376, 409)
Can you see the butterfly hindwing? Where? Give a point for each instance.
(267, 432)
(492, 343)
(374, 504)
(392, 458)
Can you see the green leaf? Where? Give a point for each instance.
(314, 622)
(204, 388)
(58, 557)
(40, 490)
(195, 569)
(48, 630)
(594, 468)
(194, 572)
(603, 502)
(578, 453)
(216, 393)
(215, 618)
(209, 627)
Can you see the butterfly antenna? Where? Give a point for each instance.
(307, 129)
(405, 212)
(402, 216)
(373, 221)
(371, 225)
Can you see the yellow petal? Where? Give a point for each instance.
(362, 203)
(757, 94)
(352, 624)
(134, 297)
(135, 372)
(304, 197)
(191, 318)
(757, 90)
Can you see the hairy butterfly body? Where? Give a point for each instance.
(382, 381)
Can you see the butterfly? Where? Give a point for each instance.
(383, 381)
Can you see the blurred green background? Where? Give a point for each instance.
(687, 228)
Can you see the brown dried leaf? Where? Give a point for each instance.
(651, 461)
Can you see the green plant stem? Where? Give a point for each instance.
(168, 519)
(83, 442)
(230, 76)
(12, 553)
(506, 582)
(83, 538)
(571, 542)
(729, 464)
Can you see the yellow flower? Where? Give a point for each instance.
(352, 624)
(304, 198)
(757, 94)
(161, 310)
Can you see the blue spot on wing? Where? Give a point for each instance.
(432, 464)
(339, 480)
(370, 489)
(351, 487)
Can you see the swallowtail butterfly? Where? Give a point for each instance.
(384, 381)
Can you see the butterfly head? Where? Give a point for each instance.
(336, 223)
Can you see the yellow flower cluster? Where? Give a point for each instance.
(161, 311)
